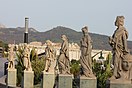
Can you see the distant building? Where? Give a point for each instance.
(2, 26)
(74, 50)
(98, 52)
(36, 43)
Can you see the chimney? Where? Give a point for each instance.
(26, 30)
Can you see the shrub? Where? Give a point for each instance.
(37, 66)
(36, 62)
(75, 67)
(102, 74)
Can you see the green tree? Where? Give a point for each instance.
(102, 74)
(3, 49)
(75, 70)
(36, 62)
(38, 65)
(75, 67)
(20, 64)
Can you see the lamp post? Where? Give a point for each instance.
(26, 30)
(101, 59)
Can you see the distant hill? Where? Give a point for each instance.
(11, 35)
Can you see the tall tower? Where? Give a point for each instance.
(26, 30)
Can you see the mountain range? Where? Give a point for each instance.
(16, 35)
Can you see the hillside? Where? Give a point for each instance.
(11, 35)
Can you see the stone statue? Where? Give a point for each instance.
(27, 62)
(86, 49)
(50, 56)
(63, 60)
(11, 64)
(121, 55)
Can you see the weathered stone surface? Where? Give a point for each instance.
(11, 63)
(49, 57)
(48, 80)
(28, 81)
(27, 62)
(119, 83)
(121, 86)
(65, 81)
(63, 59)
(11, 78)
(86, 82)
(85, 58)
(121, 54)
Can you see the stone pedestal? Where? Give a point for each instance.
(65, 81)
(48, 80)
(28, 80)
(117, 83)
(86, 82)
(11, 77)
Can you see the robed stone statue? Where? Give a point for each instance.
(121, 56)
(50, 57)
(86, 49)
(11, 64)
(27, 62)
(63, 60)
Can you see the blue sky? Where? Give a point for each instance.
(98, 15)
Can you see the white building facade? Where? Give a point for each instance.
(74, 50)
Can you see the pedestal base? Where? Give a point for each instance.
(65, 81)
(48, 80)
(28, 81)
(11, 78)
(86, 82)
(119, 83)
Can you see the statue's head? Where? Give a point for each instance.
(85, 30)
(48, 42)
(11, 47)
(63, 37)
(119, 21)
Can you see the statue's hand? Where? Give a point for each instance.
(126, 51)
